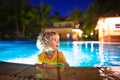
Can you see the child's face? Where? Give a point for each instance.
(54, 42)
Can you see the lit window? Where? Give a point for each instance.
(117, 25)
(68, 36)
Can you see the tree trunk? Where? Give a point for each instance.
(17, 30)
(23, 31)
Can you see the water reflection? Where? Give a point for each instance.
(52, 73)
(79, 73)
(101, 54)
(110, 73)
(85, 53)
(96, 54)
(109, 54)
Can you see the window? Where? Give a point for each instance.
(117, 26)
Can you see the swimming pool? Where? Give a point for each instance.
(77, 53)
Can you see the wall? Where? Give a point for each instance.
(109, 29)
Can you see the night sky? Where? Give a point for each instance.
(64, 6)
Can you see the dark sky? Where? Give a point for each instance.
(64, 6)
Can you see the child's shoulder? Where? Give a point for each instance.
(41, 53)
(60, 52)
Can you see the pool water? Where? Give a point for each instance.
(77, 53)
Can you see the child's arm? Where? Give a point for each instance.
(46, 65)
(62, 59)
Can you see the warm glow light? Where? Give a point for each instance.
(78, 31)
(113, 21)
(77, 26)
(107, 27)
(91, 33)
(86, 36)
(100, 24)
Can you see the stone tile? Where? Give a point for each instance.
(12, 68)
(11, 71)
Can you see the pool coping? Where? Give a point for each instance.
(25, 71)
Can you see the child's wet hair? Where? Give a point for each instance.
(43, 38)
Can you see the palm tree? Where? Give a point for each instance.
(3, 14)
(25, 21)
(43, 18)
(96, 10)
(75, 16)
(90, 18)
(14, 10)
(27, 16)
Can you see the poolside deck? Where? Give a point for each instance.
(13, 71)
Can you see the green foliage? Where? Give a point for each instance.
(22, 18)
(96, 10)
(75, 16)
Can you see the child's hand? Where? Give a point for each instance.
(44, 65)
(38, 65)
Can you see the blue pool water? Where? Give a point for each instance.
(78, 54)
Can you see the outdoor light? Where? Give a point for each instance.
(77, 26)
(86, 36)
(91, 33)
(68, 36)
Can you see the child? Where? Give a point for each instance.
(50, 55)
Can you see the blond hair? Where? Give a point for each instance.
(43, 39)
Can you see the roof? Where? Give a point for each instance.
(112, 14)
